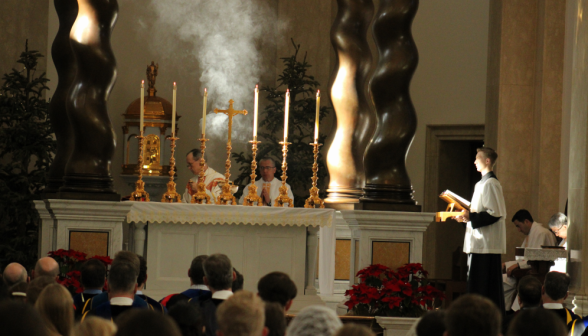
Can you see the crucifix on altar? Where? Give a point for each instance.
(227, 187)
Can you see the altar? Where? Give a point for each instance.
(258, 240)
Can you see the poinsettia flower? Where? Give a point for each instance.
(406, 288)
(393, 301)
(106, 260)
(372, 271)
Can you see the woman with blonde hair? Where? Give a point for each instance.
(56, 307)
(95, 326)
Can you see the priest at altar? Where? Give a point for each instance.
(211, 178)
(268, 187)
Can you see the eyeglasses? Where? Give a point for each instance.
(266, 167)
(556, 230)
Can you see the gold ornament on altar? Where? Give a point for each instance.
(172, 196)
(140, 195)
(314, 199)
(200, 197)
(252, 197)
(227, 187)
(283, 197)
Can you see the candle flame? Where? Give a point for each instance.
(256, 86)
(142, 83)
(174, 83)
(204, 90)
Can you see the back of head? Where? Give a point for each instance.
(558, 220)
(529, 290)
(196, 272)
(241, 315)
(533, 322)
(20, 319)
(19, 291)
(142, 277)
(473, 314)
(56, 307)
(489, 153)
(14, 273)
(277, 287)
(46, 266)
(175, 299)
(314, 321)
(556, 285)
(122, 278)
(521, 215)
(352, 329)
(431, 324)
(237, 284)
(275, 319)
(93, 274)
(196, 153)
(188, 318)
(128, 256)
(95, 326)
(144, 322)
(218, 272)
(36, 286)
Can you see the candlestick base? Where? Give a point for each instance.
(314, 199)
(226, 195)
(283, 198)
(139, 195)
(171, 196)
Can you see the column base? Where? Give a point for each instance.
(343, 198)
(89, 187)
(383, 197)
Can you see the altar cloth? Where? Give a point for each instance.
(154, 212)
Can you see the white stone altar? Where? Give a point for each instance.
(258, 240)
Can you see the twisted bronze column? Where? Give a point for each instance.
(355, 119)
(63, 58)
(88, 171)
(388, 185)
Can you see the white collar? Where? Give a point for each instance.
(139, 292)
(222, 294)
(121, 301)
(201, 287)
(553, 306)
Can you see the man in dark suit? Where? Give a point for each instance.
(198, 290)
(554, 293)
(219, 277)
(529, 296)
(141, 280)
(277, 287)
(93, 275)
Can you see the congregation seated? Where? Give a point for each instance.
(533, 322)
(275, 319)
(141, 280)
(55, 305)
(529, 289)
(554, 293)
(241, 314)
(19, 291)
(431, 324)
(314, 321)
(238, 282)
(188, 318)
(36, 286)
(146, 323)
(277, 287)
(95, 326)
(13, 274)
(92, 278)
(21, 319)
(46, 266)
(197, 287)
(473, 314)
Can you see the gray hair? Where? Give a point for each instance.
(314, 321)
(218, 271)
(558, 220)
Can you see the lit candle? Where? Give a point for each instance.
(287, 111)
(255, 106)
(204, 113)
(142, 109)
(174, 111)
(316, 121)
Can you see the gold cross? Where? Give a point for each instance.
(231, 112)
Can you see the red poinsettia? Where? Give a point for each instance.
(70, 262)
(385, 292)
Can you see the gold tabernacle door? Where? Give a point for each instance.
(454, 202)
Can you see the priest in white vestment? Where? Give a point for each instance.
(211, 178)
(559, 225)
(536, 236)
(268, 187)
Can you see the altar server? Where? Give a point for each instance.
(211, 178)
(558, 224)
(268, 187)
(485, 237)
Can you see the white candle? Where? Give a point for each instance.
(204, 113)
(316, 121)
(174, 111)
(286, 112)
(255, 106)
(142, 108)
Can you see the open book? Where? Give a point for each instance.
(459, 202)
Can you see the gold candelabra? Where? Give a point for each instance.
(172, 196)
(227, 187)
(140, 195)
(283, 197)
(252, 196)
(314, 198)
(200, 197)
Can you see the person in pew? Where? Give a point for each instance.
(275, 319)
(554, 293)
(198, 290)
(122, 286)
(36, 286)
(242, 315)
(536, 236)
(21, 319)
(268, 186)
(188, 318)
(473, 314)
(56, 307)
(146, 323)
(529, 297)
(558, 224)
(211, 178)
(92, 278)
(536, 322)
(485, 236)
(277, 287)
(314, 321)
(19, 291)
(46, 266)
(141, 280)
(14, 273)
(219, 277)
(238, 282)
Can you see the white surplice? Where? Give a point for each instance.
(274, 190)
(211, 180)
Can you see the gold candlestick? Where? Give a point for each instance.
(314, 198)
(227, 187)
(200, 197)
(283, 197)
(140, 195)
(252, 196)
(172, 196)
